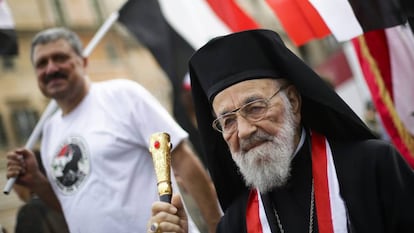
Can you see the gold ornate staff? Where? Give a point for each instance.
(160, 147)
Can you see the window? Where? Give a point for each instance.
(24, 120)
(3, 135)
(8, 63)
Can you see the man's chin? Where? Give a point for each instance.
(56, 91)
(264, 188)
(55, 95)
(262, 161)
(266, 179)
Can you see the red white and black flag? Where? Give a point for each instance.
(173, 30)
(305, 20)
(232, 15)
(146, 22)
(8, 39)
(300, 20)
(348, 19)
(383, 42)
(386, 58)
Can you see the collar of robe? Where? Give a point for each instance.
(326, 196)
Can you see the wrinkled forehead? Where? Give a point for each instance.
(50, 48)
(242, 93)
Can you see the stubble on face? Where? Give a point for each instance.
(268, 165)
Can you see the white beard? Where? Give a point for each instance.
(268, 166)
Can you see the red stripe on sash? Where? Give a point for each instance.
(252, 214)
(321, 185)
(320, 176)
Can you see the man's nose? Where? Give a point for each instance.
(245, 127)
(51, 67)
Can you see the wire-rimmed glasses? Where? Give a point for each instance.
(253, 111)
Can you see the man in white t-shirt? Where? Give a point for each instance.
(95, 147)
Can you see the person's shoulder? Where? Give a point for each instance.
(118, 88)
(371, 145)
(369, 150)
(116, 83)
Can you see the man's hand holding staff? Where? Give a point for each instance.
(160, 147)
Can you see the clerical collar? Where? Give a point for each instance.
(301, 142)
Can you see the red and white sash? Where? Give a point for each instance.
(329, 204)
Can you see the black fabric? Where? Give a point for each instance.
(379, 14)
(146, 22)
(8, 41)
(376, 185)
(255, 54)
(408, 8)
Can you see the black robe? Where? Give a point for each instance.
(376, 185)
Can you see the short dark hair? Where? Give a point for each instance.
(54, 34)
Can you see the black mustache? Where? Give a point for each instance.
(55, 75)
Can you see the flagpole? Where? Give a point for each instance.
(52, 106)
(100, 33)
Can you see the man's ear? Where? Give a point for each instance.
(295, 100)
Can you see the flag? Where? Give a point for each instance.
(146, 22)
(383, 44)
(198, 21)
(193, 20)
(386, 58)
(347, 19)
(169, 28)
(335, 69)
(408, 8)
(173, 30)
(232, 15)
(8, 38)
(300, 20)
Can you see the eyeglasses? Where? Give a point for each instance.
(253, 112)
